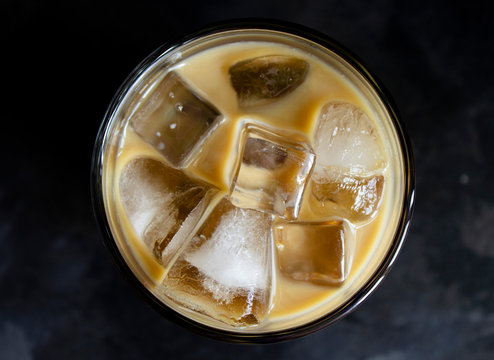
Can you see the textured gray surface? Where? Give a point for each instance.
(61, 295)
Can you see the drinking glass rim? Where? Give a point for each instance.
(402, 226)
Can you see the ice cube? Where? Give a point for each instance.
(226, 270)
(263, 79)
(263, 154)
(162, 204)
(272, 173)
(174, 120)
(346, 138)
(321, 253)
(348, 176)
(353, 197)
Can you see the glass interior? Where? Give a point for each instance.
(392, 219)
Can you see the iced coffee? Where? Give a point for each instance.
(253, 180)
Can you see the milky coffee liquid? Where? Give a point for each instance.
(204, 65)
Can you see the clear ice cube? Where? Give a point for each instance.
(263, 79)
(225, 272)
(321, 253)
(353, 197)
(346, 138)
(162, 204)
(272, 173)
(174, 120)
(348, 175)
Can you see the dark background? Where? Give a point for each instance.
(61, 297)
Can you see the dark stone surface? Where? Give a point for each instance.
(61, 295)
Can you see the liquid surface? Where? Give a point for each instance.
(206, 179)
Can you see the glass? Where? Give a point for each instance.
(129, 97)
